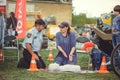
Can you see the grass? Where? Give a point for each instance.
(9, 71)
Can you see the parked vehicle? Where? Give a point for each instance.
(103, 34)
(104, 41)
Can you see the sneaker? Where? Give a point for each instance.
(108, 63)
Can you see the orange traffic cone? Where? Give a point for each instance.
(50, 57)
(1, 56)
(33, 66)
(103, 67)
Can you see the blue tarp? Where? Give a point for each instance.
(106, 26)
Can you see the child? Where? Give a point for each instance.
(96, 55)
(116, 26)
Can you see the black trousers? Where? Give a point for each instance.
(26, 60)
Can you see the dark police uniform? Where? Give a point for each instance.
(96, 56)
(34, 38)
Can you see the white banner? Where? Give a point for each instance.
(2, 2)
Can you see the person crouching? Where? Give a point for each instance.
(96, 55)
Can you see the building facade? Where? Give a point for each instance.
(62, 11)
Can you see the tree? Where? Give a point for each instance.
(81, 20)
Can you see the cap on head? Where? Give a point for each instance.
(87, 45)
(64, 24)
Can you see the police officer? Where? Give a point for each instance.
(32, 45)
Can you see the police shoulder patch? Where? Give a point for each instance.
(29, 35)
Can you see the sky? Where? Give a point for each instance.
(93, 8)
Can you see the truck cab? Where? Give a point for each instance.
(103, 33)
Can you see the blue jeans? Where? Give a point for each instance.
(115, 39)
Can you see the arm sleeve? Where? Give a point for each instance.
(116, 23)
(16, 21)
(57, 39)
(73, 39)
(29, 38)
(8, 23)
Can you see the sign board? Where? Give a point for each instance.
(20, 13)
(11, 7)
(2, 2)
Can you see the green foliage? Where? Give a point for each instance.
(81, 20)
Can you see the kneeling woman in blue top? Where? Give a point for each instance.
(65, 42)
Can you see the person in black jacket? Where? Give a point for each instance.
(12, 20)
(11, 25)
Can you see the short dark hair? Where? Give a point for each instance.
(117, 8)
(40, 22)
(12, 14)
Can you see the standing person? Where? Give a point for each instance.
(66, 43)
(2, 26)
(32, 45)
(96, 55)
(116, 26)
(88, 34)
(11, 32)
(11, 24)
(92, 33)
